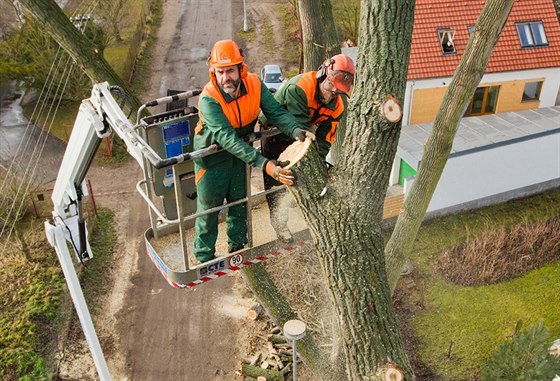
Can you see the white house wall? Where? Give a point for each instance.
(549, 90)
(505, 168)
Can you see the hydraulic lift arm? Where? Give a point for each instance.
(98, 116)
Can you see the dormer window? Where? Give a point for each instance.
(531, 34)
(446, 40)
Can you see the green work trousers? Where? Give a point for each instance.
(213, 187)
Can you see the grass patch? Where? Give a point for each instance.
(95, 278)
(32, 284)
(249, 36)
(479, 319)
(33, 287)
(65, 116)
(117, 55)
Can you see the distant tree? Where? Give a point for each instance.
(32, 58)
(87, 55)
(112, 13)
(319, 36)
(347, 19)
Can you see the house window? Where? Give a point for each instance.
(532, 91)
(531, 34)
(446, 40)
(483, 101)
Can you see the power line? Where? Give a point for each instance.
(30, 171)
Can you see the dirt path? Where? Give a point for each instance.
(165, 333)
(149, 330)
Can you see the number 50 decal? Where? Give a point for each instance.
(236, 260)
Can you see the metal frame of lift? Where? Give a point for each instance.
(161, 226)
(98, 116)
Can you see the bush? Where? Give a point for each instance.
(525, 358)
(498, 255)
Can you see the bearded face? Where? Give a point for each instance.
(228, 79)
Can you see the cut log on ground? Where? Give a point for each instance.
(252, 360)
(253, 371)
(277, 339)
(255, 311)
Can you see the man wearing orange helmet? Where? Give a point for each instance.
(228, 109)
(314, 98)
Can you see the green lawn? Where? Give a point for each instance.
(479, 319)
(35, 305)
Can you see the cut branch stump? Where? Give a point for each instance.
(255, 311)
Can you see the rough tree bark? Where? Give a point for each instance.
(83, 52)
(436, 151)
(346, 223)
(319, 36)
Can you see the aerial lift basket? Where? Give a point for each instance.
(170, 184)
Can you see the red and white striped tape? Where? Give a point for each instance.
(284, 250)
(231, 269)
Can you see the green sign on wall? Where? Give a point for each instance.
(405, 171)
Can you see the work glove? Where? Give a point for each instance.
(274, 169)
(300, 134)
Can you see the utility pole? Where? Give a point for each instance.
(84, 53)
(245, 28)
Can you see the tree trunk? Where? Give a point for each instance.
(346, 223)
(319, 36)
(83, 52)
(436, 151)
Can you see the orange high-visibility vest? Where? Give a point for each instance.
(317, 111)
(241, 111)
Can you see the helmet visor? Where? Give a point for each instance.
(342, 81)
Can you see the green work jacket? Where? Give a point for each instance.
(224, 120)
(301, 97)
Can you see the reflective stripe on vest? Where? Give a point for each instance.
(241, 111)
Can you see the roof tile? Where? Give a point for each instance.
(428, 61)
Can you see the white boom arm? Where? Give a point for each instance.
(98, 116)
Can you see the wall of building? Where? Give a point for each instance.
(484, 173)
(423, 97)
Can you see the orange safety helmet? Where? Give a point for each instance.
(339, 70)
(225, 53)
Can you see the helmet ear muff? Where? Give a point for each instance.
(321, 72)
(324, 69)
(212, 74)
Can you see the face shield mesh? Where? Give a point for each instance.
(341, 80)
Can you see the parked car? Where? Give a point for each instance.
(272, 77)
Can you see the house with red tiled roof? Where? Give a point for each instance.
(523, 72)
(507, 145)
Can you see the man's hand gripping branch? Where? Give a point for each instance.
(301, 134)
(275, 170)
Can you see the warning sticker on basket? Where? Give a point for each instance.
(212, 268)
(236, 260)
